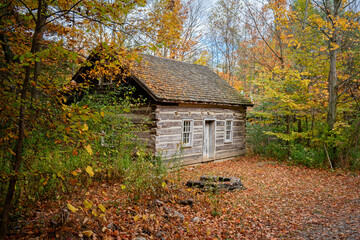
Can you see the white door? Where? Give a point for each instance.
(209, 140)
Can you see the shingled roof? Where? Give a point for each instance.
(168, 80)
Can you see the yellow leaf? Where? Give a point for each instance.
(90, 171)
(102, 208)
(87, 233)
(60, 176)
(86, 127)
(87, 204)
(123, 187)
(94, 212)
(163, 184)
(144, 217)
(74, 173)
(102, 114)
(137, 217)
(72, 208)
(88, 149)
(11, 151)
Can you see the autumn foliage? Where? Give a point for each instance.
(298, 61)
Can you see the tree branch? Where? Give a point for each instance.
(29, 10)
(64, 13)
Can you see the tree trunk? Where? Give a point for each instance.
(332, 10)
(288, 122)
(332, 84)
(18, 150)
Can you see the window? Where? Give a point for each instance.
(187, 131)
(228, 130)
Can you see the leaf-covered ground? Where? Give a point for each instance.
(280, 202)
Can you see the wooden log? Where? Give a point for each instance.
(168, 124)
(169, 131)
(229, 154)
(230, 146)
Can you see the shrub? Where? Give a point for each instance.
(98, 143)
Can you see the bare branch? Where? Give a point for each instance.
(261, 35)
(29, 10)
(64, 13)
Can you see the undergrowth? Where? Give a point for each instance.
(105, 147)
(311, 153)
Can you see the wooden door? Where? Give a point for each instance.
(209, 140)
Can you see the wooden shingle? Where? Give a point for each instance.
(168, 80)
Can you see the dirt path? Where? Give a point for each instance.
(280, 202)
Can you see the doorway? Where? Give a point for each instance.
(209, 140)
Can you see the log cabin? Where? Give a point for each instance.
(195, 116)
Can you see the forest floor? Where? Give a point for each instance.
(280, 202)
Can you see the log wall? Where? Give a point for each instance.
(144, 117)
(166, 132)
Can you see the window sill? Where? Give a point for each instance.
(186, 146)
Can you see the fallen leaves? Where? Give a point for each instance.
(280, 202)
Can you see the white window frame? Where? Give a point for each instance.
(191, 132)
(228, 140)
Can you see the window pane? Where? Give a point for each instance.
(228, 125)
(186, 126)
(228, 135)
(186, 132)
(228, 129)
(186, 138)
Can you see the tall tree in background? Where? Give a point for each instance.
(224, 36)
(339, 27)
(171, 27)
(305, 58)
(330, 29)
